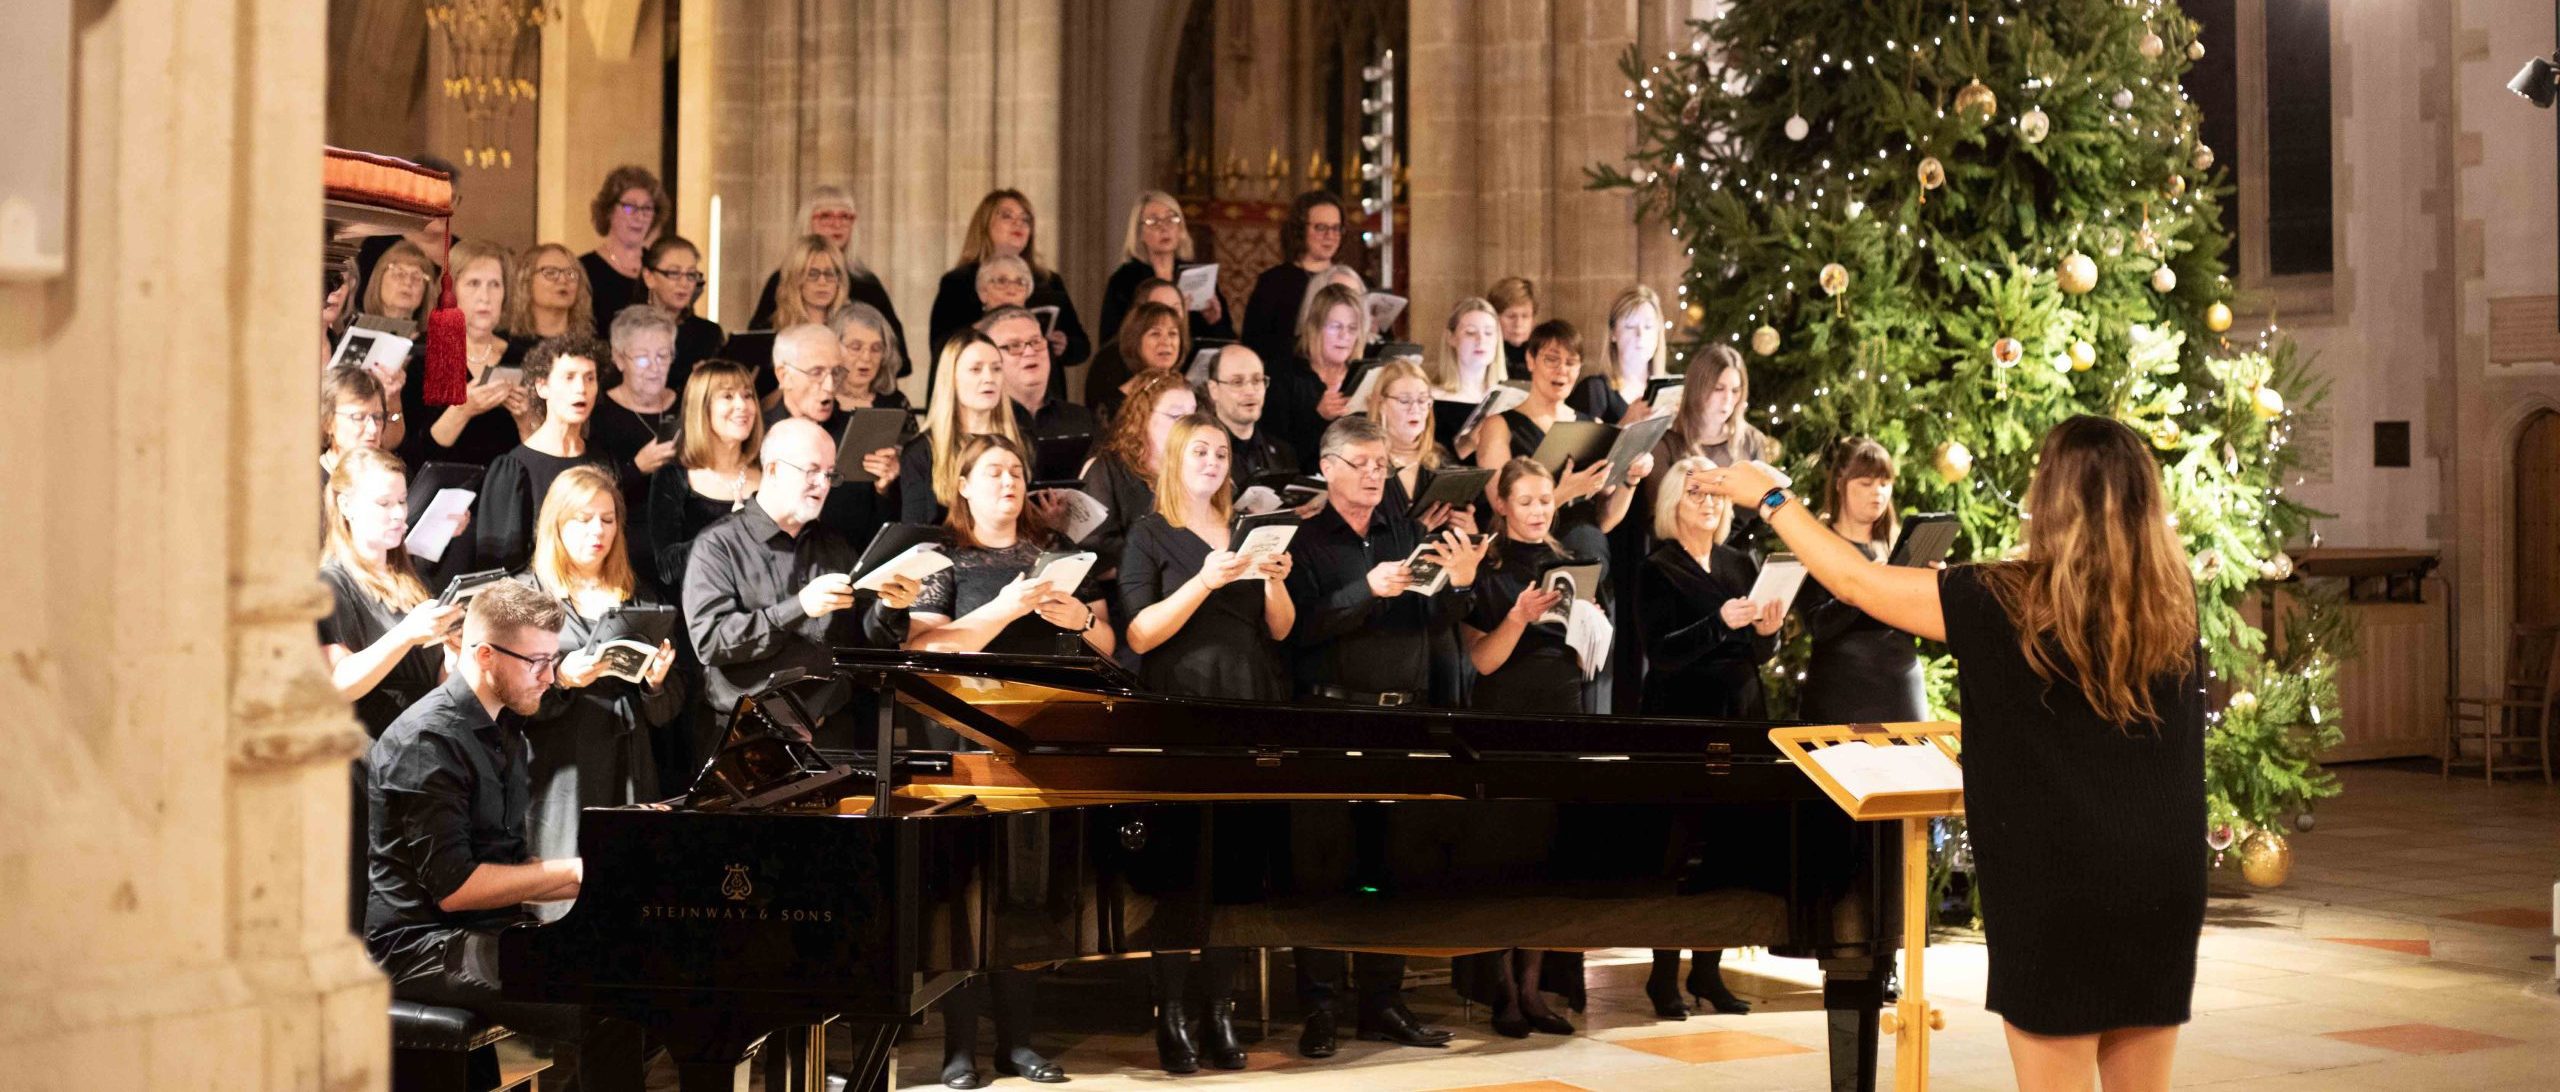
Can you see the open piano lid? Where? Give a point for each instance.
(768, 757)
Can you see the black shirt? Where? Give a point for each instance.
(1596, 400)
(610, 289)
(1271, 312)
(1120, 296)
(510, 500)
(356, 620)
(1860, 669)
(1290, 413)
(1224, 650)
(860, 287)
(447, 791)
(742, 606)
(1346, 637)
(1060, 435)
(1260, 454)
(855, 509)
(1700, 667)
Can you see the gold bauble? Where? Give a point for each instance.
(2217, 318)
(2006, 351)
(2278, 568)
(1978, 99)
(2267, 402)
(2195, 51)
(2151, 46)
(2164, 280)
(2204, 157)
(1834, 279)
(1696, 311)
(2079, 273)
(2034, 125)
(1764, 340)
(2241, 702)
(2266, 859)
(2146, 240)
(2084, 356)
(1953, 461)
(2167, 436)
(1933, 174)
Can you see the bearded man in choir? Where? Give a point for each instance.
(1238, 389)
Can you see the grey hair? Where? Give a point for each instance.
(886, 379)
(638, 319)
(790, 346)
(1350, 430)
(992, 266)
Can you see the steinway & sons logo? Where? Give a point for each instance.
(737, 887)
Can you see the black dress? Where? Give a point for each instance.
(1543, 674)
(1289, 411)
(481, 440)
(917, 503)
(1596, 400)
(503, 515)
(697, 339)
(1224, 651)
(675, 514)
(592, 745)
(861, 286)
(976, 576)
(1862, 670)
(619, 433)
(1120, 296)
(1700, 666)
(1271, 313)
(1131, 496)
(610, 289)
(2080, 829)
(356, 620)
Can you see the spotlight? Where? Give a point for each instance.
(2536, 82)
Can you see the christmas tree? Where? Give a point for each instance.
(1951, 224)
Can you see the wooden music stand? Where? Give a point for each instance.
(1911, 1020)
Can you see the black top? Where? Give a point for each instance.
(861, 286)
(510, 500)
(977, 575)
(610, 290)
(1595, 400)
(1516, 357)
(1861, 670)
(482, 439)
(1271, 313)
(446, 792)
(1700, 667)
(955, 305)
(2080, 828)
(1059, 424)
(619, 433)
(1543, 674)
(1224, 650)
(1131, 496)
(1260, 454)
(1347, 637)
(917, 503)
(1120, 296)
(675, 515)
(1577, 524)
(1289, 411)
(742, 606)
(697, 339)
(356, 620)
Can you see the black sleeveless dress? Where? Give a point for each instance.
(2088, 838)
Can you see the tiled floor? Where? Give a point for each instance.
(2411, 952)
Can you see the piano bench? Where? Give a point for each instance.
(438, 1048)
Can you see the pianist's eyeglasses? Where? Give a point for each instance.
(542, 665)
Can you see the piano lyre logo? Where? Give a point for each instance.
(736, 884)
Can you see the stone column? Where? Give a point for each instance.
(172, 843)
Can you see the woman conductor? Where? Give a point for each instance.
(2083, 696)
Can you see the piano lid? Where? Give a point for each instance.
(768, 756)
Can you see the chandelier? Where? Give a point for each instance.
(490, 48)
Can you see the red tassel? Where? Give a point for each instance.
(448, 364)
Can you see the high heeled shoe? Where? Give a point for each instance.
(1666, 999)
(1706, 984)
(1218, 1039)
(1548, 1022)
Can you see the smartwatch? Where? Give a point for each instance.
(1774, 500)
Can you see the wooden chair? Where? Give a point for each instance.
(2519, 716)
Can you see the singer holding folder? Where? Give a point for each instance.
(2083, 696)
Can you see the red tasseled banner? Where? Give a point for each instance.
(448, 367)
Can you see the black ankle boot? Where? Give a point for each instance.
(1706, 983)
(1175, 1050)
(1662, 987)
(1218, 1037)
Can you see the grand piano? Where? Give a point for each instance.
(786, 889)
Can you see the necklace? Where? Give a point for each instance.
(738, 491)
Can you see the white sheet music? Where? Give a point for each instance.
(434, 529)
(1864, 769)
(1199, 285)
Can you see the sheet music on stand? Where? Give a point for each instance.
(1913, 772)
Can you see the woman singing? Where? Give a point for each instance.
(1863, 671)
(2083, 694)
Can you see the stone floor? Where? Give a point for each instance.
(2411, 951)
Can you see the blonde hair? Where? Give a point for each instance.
(710, 379)
(470, 252)
(395, 584)
(1389, 374)
(787, 309)
(1129, 244)
(1860, 457)
(519, 314)
(978, 241)
(1519, 469)
(1626, 304)
(2102, 598)
(1666, 501)
(942, 414)
(570, 494)
(1332, 276)
(1169, 492)
(1322, 303)
(405, 253)
(1445, 373)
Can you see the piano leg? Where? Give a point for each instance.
(711, 1054)
(875, 1056)
(1853, 992)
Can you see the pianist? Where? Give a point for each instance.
(449, 864)
(770, 587)
(1361, 639)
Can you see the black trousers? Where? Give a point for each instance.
(1377, 976)
(589, 1052)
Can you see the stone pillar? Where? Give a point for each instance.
(1510, 100)
(602, 105)
(172, 843)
